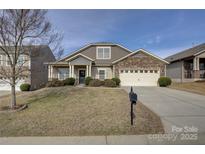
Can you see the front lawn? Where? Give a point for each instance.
(194, 87)
(66, 111)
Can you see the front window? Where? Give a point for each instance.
(63, 73)
(202, 66)
(8, 61)
(21, 60)
(103, 53)
(101, 74)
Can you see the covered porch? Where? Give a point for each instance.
(194, 68)
(78, 67)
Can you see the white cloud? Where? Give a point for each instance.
(154, 40)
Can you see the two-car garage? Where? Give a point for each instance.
(136, 77)
(140, 68)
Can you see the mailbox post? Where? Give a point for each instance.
(133, 101)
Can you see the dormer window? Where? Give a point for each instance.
(103, 53)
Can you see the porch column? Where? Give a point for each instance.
(51, 72)
(90, 69)
(196, 67)
(70, 70)
(196, 63)
(87, 71)
(113, 71)
(165, 70)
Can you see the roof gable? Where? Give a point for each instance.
(94, 44)
(137, 51)
(79, 55)
(187, 53)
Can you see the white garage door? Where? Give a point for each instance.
(139, 77)
(5, 86)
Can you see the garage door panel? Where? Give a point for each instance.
(5, 86)
(139, 79)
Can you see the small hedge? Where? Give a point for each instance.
(25, 87)
(87, 80)
(96, 83)
(164, 81)
(55, 83)
(110, 83)
(117, 81)
(69, 81)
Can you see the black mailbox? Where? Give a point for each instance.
(133, 98)
(133, 101)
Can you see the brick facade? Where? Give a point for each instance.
(140, 60)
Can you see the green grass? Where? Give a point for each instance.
(72, 111)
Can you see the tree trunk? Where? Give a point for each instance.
(13, 89)
(13, 96)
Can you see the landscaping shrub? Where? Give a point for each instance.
(200, 81)
(164, 81)
(117, 81)
(87, 80)
(69, 81)
(55, 83)
(95, 83)
(110, 83)
(25, 87)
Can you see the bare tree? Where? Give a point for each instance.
(20, 32)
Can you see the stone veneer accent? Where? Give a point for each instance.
(140, 60)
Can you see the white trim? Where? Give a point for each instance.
(87, 70)
(70, 70)
(103, 47)
(79, 55)
(137, 52)
(7, 60)
(198, 53)
(104, 69)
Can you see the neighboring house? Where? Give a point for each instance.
(107, 60)
(188, 65)
(36, 73)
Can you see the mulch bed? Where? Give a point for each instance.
(15, 109)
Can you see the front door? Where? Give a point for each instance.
(81, 76)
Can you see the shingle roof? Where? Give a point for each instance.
(186, 53)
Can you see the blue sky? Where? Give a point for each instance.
(162, 32)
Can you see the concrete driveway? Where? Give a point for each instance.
(176, 108)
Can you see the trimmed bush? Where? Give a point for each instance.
(55, 83)
(117, 81)
(25, 87)
(164, 81)
(110, 83)
(96, 83)
(69, 81)
(87, 80)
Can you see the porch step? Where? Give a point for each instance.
(80, 85)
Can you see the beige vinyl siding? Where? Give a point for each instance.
(174, 70)
(108, 72)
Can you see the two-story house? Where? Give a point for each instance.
(106, 60)
(33, 70)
